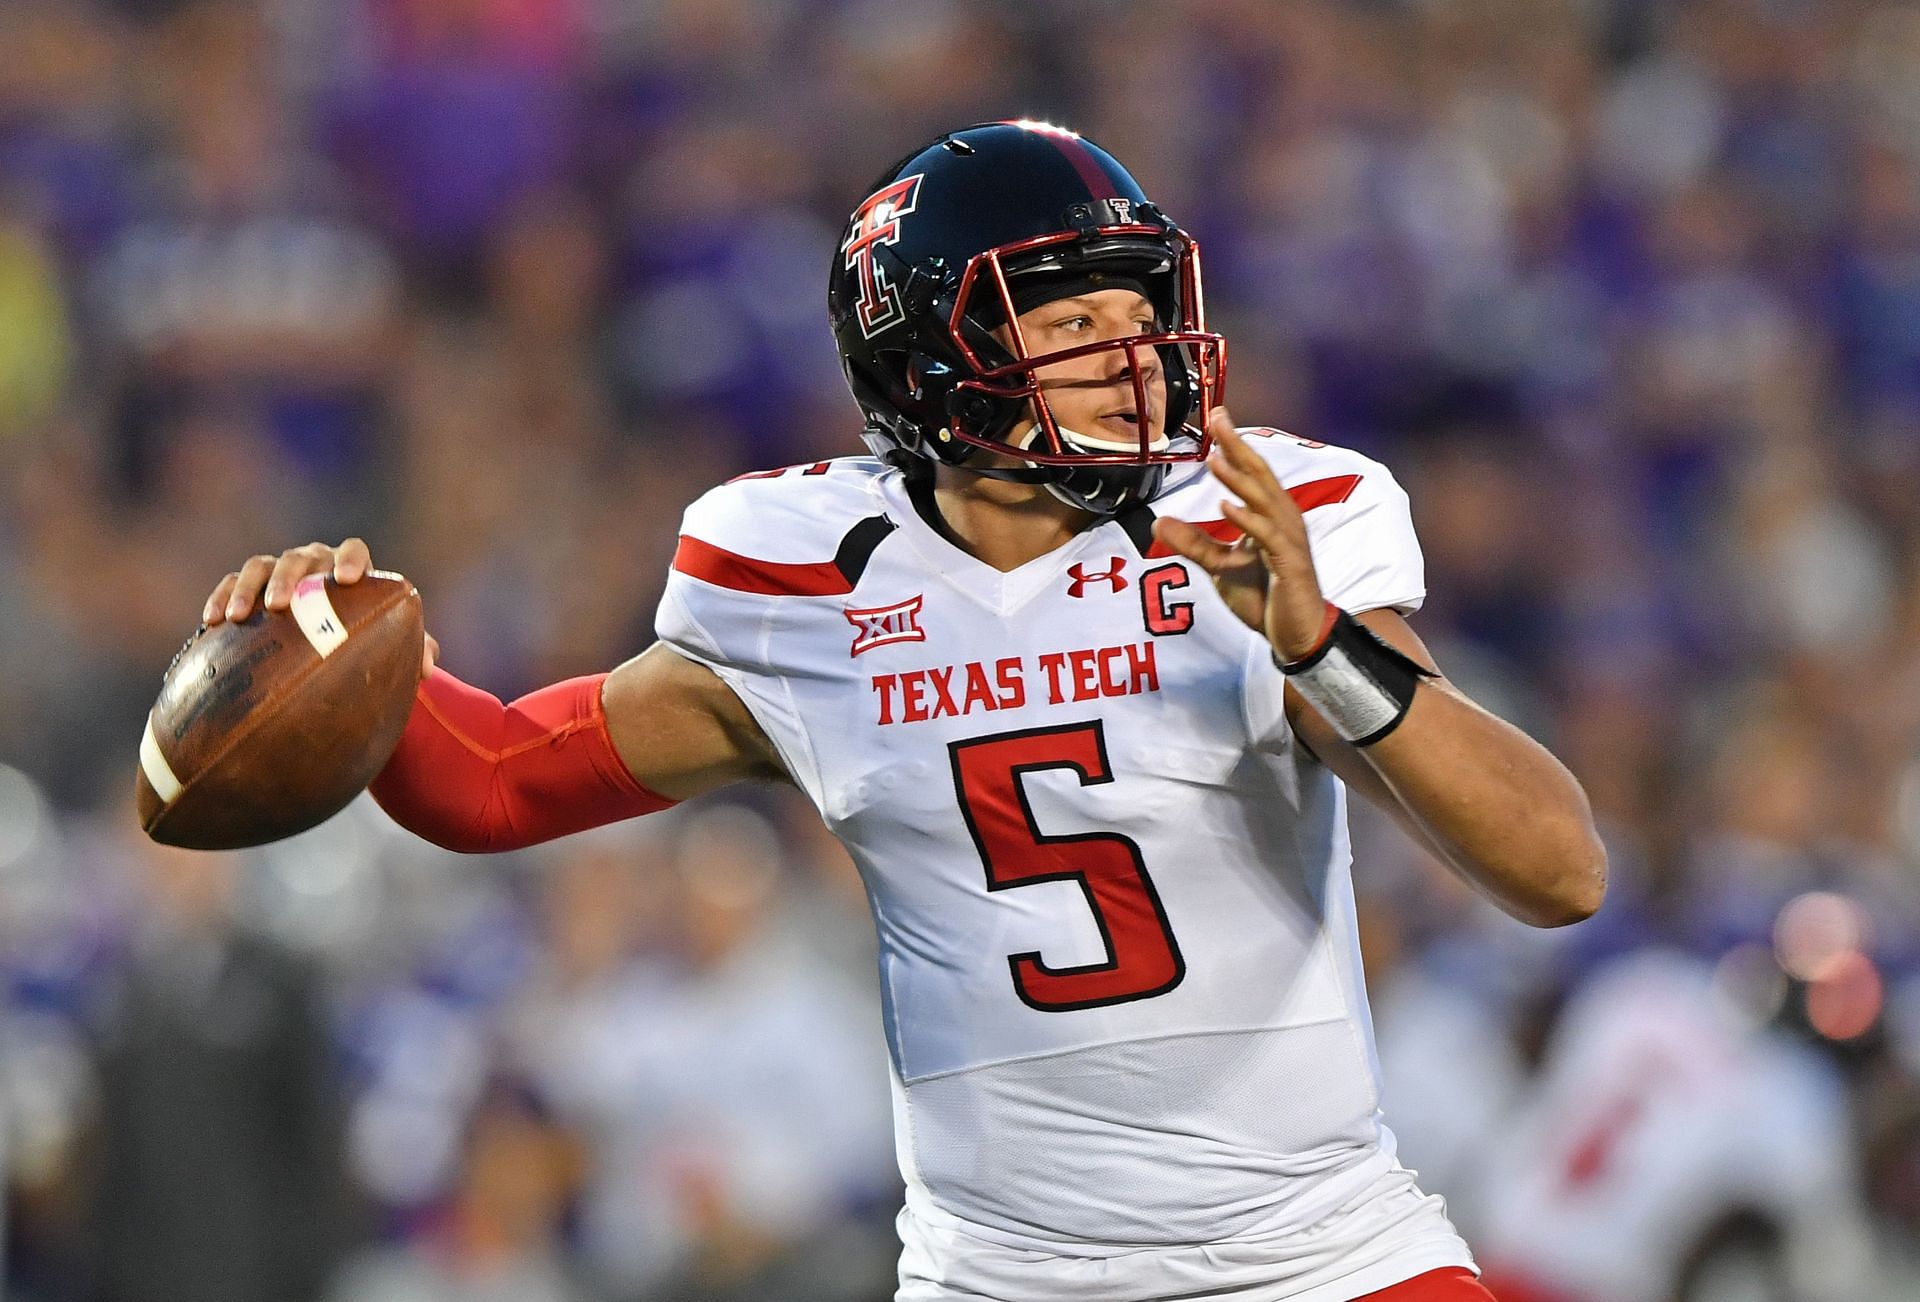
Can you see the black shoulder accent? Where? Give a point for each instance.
(856, 549)
(1137, 520)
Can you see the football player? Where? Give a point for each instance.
(1081, 676)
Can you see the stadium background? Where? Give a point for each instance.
(1628, 293)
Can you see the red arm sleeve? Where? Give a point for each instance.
(474, 775)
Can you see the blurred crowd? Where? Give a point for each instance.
(1626, 291)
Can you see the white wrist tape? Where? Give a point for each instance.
(1360, 684)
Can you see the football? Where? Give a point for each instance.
(270, 726)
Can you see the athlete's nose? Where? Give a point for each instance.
(1137, 391)
(1124, 361)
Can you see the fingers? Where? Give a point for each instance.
(216, 607)
(429, 654)
(269, 581)
(1226, 437)
(351, 561)
(1194, 543)
(1236, 571)
(247, 585)
(1266, 512)
(1276, 543)
(1247, 473)
(294, 565)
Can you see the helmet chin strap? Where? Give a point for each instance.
(1013, 474)
(1063, 495)
(1049, 478)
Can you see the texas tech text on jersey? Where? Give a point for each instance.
(1119, 970)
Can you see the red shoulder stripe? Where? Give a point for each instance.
(727, 569)
(1307, 496)
(1323, 492)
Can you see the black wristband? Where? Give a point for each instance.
(1363, 686)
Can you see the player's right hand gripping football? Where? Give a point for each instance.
(269, 582)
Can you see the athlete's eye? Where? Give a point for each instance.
(1073, 324)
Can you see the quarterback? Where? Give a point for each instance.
(1081, 675)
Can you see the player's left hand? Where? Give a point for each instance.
(1267, 577)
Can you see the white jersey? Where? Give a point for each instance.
(1118, 962)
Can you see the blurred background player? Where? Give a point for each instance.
(1651, 388)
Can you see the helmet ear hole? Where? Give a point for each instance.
(974, 412)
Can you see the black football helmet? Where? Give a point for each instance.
(961, 237)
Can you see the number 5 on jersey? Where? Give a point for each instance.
(1143, 959)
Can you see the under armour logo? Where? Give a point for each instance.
(1078, 573)
(899, 622)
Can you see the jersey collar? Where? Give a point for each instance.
(1002, 592)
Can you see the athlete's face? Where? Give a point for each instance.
(1094, 395)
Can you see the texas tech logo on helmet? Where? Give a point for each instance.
(876, 222)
